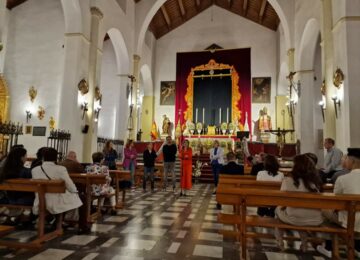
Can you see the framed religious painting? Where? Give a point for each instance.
(261, 90)
(167, 93)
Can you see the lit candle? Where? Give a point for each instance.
(203, 115)
(196, 115)
(220, 115)
(227, 115)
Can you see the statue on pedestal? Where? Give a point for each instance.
(264, 120)
(166, 126)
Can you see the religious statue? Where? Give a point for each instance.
(52, 123)
(166, 125)
(265, 120)
(41, 113)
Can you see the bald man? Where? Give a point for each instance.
(71, 163)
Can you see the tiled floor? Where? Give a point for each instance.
(157, 226)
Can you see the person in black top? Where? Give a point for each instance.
(39, 158)
(169, 151)
(258, 165)
(149, 157)
(232, 167)
(14, 169)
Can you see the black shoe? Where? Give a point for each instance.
(84, 231)
(214, 193)
(113, 212)
(218, 206)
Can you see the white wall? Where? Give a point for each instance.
(227, 30)
(34, 57)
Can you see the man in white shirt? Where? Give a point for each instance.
(333, 157)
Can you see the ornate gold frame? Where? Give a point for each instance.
(4, 99)
(236, 96)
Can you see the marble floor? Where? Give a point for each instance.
(157, 225)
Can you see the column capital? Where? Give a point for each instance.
(290, 51)
(96, 11)
(136, 57)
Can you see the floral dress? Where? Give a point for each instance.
(100, 189)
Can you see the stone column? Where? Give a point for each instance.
(345, 34)
(135, 92)
(91, 136)
(328, 68)
(291, 58)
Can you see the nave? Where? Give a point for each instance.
(158, 225)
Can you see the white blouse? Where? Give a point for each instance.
(265, 176)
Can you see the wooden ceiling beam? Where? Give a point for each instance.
(245, 7)
(166, 16)
(262, 11)
(182, 8)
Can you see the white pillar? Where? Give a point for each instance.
(4, 22)
(91, 136)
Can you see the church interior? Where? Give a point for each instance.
(179, 129)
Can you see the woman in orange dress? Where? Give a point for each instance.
(186, 168)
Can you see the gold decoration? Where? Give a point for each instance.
(98, 95)
(235, 92)
(338, 78)
(323, 88)
(52, 123)
(4, 100)
(41, 113)
(83, 87)
(32, 93)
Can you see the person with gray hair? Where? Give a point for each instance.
(71, 163)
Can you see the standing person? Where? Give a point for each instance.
(129, 163)
(169, 151)
(332, 161)
(149, 157)
(270, 173)
(186, 168)
(304, 178)
(216, 161)
(110, 155)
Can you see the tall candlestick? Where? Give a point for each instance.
(220, 116)
(196, 115)
(203, 115)
(227, 115)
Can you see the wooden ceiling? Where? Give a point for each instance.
(174, 13)
(10, 4)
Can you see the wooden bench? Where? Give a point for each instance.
(41, 187)
(87, 180)
(158, 174)
(117, 176)
(236, 176)
(255, 198)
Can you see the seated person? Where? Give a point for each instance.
(56, 203)
(13, 169)
(346, 184)
(71, 163)
(39, 158)
(258, 164)
(232, 167)
(332, 161)
(270, 173)
(341, 172)
(304, 178)
(313, 157)
(103, 189)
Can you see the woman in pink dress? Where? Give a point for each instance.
(129, 163)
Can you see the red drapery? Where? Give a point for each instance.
(239, 58)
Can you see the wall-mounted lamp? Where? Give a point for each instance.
(84, 108)
(97, 109)
(322, 107)
(336, 101)
(28, 115)
(291, 107)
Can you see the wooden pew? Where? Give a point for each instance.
(254, 198)
(234, 176)
(117, 176)
(87, 180)
(41, 187)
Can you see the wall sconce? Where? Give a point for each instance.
(97, 109)
(322, 107)
(338, 78)
(83, 87)
(28, 115)
(32, 93)
(84, 107)
(291, 107)
(336, 101)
